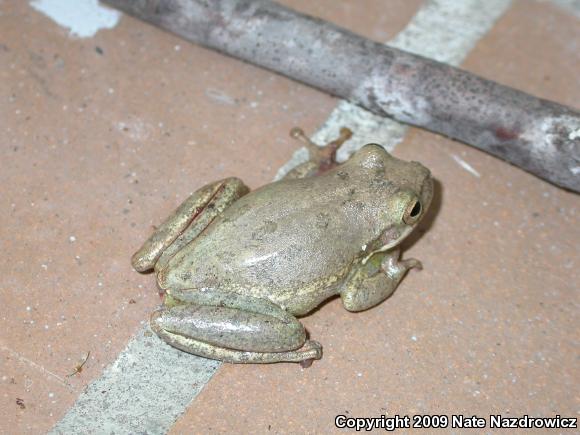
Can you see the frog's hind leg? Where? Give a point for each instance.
(321, 158)
(232, 328)
(187, 222)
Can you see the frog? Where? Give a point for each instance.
(238, 268)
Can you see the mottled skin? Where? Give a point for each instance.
(238, 267)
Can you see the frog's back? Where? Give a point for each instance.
(291, 240)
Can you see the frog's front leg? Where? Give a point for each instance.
(233, 328)
(187, 222)
(371, 283)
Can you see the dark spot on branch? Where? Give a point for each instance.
(505, 134)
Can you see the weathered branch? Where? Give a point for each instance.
(538, 135)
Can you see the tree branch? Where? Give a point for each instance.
(540, 136)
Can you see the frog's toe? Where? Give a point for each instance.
(155, 320)
(313, 349)
(412, 263)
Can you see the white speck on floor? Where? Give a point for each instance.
(220, 96)
(136, 129)
(465, 165)
(83, 18)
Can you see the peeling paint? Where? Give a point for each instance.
(83, 18)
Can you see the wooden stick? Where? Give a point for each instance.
(540, 136)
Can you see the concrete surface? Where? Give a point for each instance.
(103, 137)
(147, 389)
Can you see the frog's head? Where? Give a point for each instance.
(403, 192)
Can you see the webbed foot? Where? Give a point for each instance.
(321, 158)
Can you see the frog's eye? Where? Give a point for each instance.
(413, 212)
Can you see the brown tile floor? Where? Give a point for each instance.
(490, 325)
(96, 148)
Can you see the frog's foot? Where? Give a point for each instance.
(373, 282)
(232, 328)
(316, 348)
(396, 268)
(187, 222)
(321, 158)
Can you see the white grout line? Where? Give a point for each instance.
(144, 391)
(150, 384)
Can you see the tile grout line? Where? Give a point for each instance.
(150, 384)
